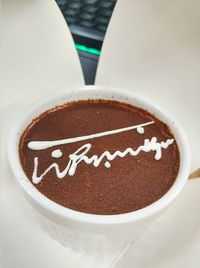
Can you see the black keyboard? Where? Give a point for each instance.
(92, 14)
(88, 21)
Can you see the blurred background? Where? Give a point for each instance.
(88, 21)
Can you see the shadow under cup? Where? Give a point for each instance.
(89, 232)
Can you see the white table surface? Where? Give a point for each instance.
(37, 53)
(153, 48)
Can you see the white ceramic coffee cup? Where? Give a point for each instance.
(88, 232)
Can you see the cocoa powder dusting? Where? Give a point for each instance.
(131, 183)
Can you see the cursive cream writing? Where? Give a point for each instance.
(80, 155)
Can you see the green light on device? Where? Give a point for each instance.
(87, 49)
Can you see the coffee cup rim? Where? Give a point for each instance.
(96, 92)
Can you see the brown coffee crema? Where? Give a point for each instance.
(125, 179)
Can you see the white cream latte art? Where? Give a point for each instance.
(80, 155)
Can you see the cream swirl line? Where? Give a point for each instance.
(41, 145)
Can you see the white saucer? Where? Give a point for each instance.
(173, 241)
